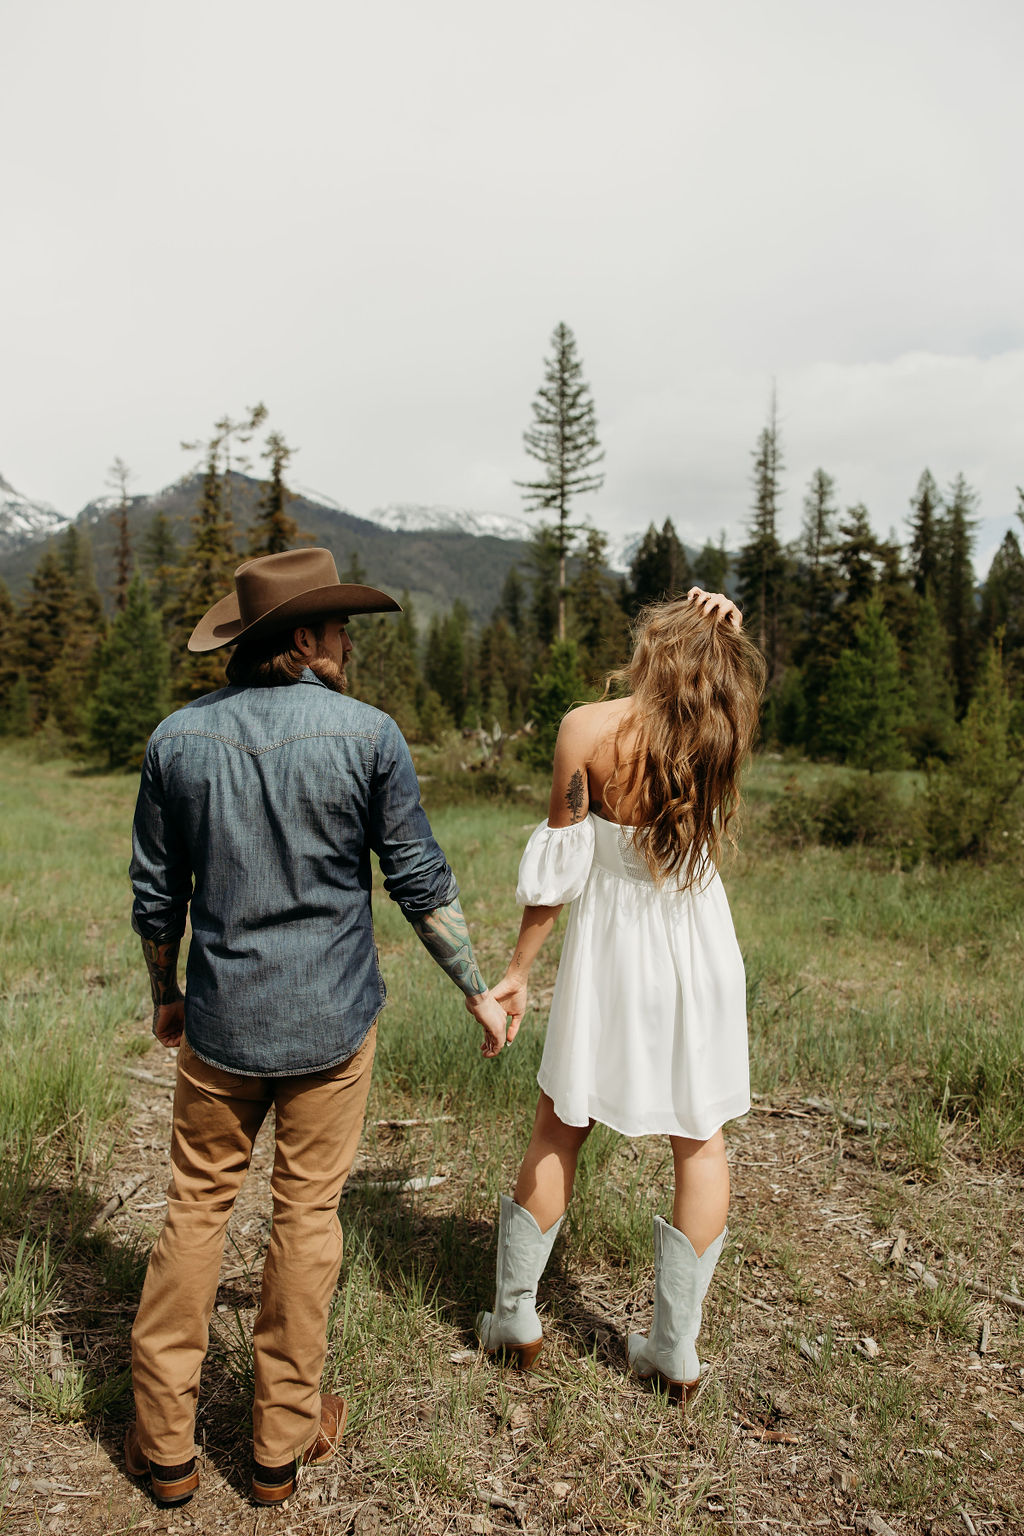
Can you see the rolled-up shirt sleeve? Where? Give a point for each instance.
(416, 872)
(161, 873)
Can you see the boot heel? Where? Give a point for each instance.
(525, 1356)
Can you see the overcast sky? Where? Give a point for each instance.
(371, 216)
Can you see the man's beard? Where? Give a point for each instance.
(329, 673)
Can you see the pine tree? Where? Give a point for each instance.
(563, 439)
(925, 535)
(956, 585)
(660, 568)
(712, 568)
(206, 575)
(449, 667)
(161, 554)
(42, 626)
(974, 802)
(932, 712)
(760, 566)
(118, 479)
(555, 690)
(857, 556)
(132, 688)
(512, 604)
(599, 624)
(10, 649)
(1002, 601)
(865, 710)
(819, 576)
(74, 674)
(274, 529)
(383, 669)
(546, 586)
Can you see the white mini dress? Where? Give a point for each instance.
(648, 1025)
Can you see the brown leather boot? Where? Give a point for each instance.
(170, 1485)
(272, 1485)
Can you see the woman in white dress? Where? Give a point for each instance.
(648, 1027)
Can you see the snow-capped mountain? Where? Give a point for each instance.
(22, 520)
(403, 517)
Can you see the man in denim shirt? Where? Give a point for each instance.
(258, 809)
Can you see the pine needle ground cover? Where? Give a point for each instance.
(864, 1329)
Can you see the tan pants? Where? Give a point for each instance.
(216, 1117)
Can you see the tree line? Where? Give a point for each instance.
(876, 648)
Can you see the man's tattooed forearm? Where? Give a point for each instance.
(162, 964)
(446, 937)
(574, 796)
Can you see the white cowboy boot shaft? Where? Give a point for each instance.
(681, 1280)
(523, 1251)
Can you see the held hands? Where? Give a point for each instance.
(491, 1016)
(511, 994)
(169, 1022)
(716, 604)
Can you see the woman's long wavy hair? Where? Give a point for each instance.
(696, 683)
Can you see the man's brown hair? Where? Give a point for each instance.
(269, 661)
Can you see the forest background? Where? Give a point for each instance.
(882, 654)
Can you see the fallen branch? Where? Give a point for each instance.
(853, 1122)
(402, 1125)
(772, 1436)
(396, 1186)
(979, 1287)
(148, 1077)
(119, 1198)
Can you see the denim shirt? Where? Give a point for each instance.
(258, 808)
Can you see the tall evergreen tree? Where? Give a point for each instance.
(865, 710)
(206, 575)
(1002, 601)
(926, 513)
(711, 570)
(512, 603)
(564, 440)
(384, 667)
(957, 585)
(932, 711)
(857, 556)
(43, 618)
(819, 577)
(599, 624)
(660, 567)
(274, 529)
(761, 566)
(555, 689)
(10, 649)
(160, 556)
(449, 668)
(131, 694)
(74, 674)
(118, 478)
(545, 585)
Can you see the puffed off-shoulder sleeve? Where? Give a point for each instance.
(555, 864)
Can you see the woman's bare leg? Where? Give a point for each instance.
(549, 1167)
(701, 1202)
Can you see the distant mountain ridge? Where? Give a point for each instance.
(23, 520)
(436, 553)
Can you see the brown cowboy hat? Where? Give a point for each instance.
(274, 591)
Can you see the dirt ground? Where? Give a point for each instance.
(838, 1400)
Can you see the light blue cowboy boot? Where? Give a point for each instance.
(513, 1328)
(681, 1280)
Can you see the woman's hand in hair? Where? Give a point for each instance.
(716, 603)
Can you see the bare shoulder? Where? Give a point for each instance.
(588, 725)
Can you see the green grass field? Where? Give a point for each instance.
(892, 997)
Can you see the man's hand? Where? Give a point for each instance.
(716, 603)
(491, 1016)
(169, 1022)
(511, 994)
